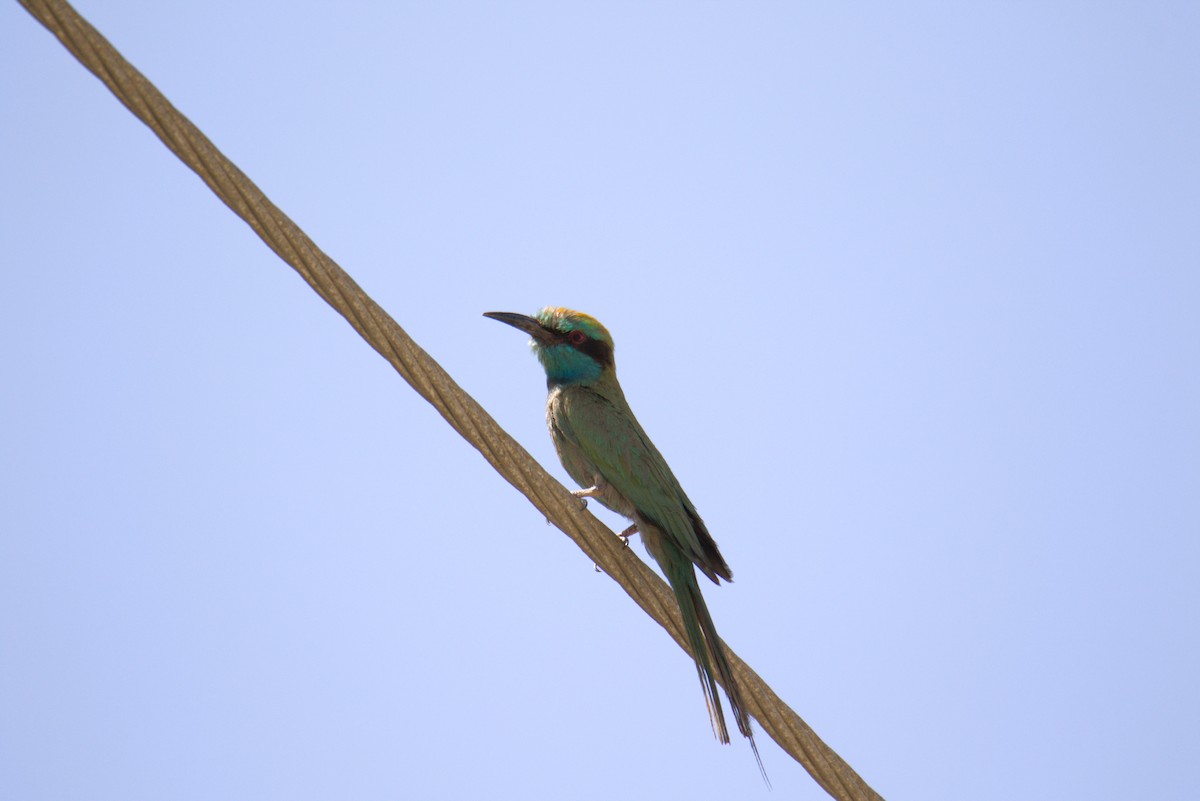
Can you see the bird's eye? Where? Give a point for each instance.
(576, 337)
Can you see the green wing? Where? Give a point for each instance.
(611, 438)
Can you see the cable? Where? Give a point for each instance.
(430, 381)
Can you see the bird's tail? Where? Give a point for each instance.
(711, 660)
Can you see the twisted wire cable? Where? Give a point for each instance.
(428, 378)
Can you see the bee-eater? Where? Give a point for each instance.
(604, 449)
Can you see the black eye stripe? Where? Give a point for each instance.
(599, 350)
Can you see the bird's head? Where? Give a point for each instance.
(573, 347)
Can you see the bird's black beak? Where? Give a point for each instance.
(525, 323)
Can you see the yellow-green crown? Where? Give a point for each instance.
(568, 320)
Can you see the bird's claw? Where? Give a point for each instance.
(624, 538)
(583, 495)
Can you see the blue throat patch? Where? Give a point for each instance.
(565, 365)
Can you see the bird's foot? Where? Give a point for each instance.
(584, 494)
(624, 537)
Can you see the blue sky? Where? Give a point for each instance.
(906, 295)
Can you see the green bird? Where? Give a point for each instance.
(606, 451)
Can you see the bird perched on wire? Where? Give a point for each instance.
(604, 449)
